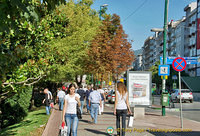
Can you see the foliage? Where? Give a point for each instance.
(14, 109)
(55, 47)
(67, 54)
(110, 53)
(155, 77)
(31, 125)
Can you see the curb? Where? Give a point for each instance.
(47, 125)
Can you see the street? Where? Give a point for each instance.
(190, 110)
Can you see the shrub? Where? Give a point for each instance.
(15, 108)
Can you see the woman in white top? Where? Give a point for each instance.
(69, 110)
(120, 108)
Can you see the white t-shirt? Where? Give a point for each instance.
(61, 94)
(121, 105)
(101, 91)
(71, 103)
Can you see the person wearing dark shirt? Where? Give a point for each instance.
(88, 91)
(81, 92)
(47, 101)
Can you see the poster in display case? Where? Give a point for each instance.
(139, 87)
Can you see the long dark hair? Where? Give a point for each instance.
(70, 86)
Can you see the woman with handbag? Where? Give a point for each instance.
(121, 106)
(72, 100)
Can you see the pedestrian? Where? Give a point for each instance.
(94, 102)
(120, 107)
(72, 100)
(60, 98)
(103, 98)
(88, 91)
(82, 93)
(47, 100)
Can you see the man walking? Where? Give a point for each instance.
(47, 100)
(103, 98)
(81, 92)
(89, 90)
(94, 102)
(60, 98)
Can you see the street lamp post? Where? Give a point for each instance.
(102, 6)
(164, 48)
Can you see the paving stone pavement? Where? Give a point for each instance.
(153, 124)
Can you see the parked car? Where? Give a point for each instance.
(186, 95)
(111, 96)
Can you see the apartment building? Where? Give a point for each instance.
(176, 38)
(137, 64)
(149, 50)
(198, 36)
(182, 40)
(190, 36)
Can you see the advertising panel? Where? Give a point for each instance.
(139, 87)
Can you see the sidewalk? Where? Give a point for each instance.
(142, 127)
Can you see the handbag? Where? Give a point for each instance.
(63, 130)
(130, 121)
(78, 112)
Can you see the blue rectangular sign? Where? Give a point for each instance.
(189, 60)
(164, 70)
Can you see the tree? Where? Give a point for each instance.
(110, 53)
(66, 54)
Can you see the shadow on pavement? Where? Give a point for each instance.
(86, 121)
(152, 114)
(97, 132)
(194, 133)
(108, 113)
(191, 109)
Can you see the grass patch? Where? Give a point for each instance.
(32, 125)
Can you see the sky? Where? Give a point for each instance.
(139, 16)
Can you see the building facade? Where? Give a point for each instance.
(149, 50)
(190, 36)
(137, 64)
(183, 39)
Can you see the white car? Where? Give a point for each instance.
(186, 95)
(111, 96)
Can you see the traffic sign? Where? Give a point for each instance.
(164, 70)
(189, 60)
(174, 77)
(179, 64)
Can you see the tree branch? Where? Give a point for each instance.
(35, 81)
(25, 81)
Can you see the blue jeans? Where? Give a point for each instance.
(71, 120)
(94, 112)
(81, 108)
(88, 107)
(48, 110)
(61, 102)
(120, 113)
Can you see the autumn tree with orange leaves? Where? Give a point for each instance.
(110, 53)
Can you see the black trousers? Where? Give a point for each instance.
(121, 113)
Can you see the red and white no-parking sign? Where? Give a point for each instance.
(179, 64)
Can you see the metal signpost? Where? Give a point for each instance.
(179, 64)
